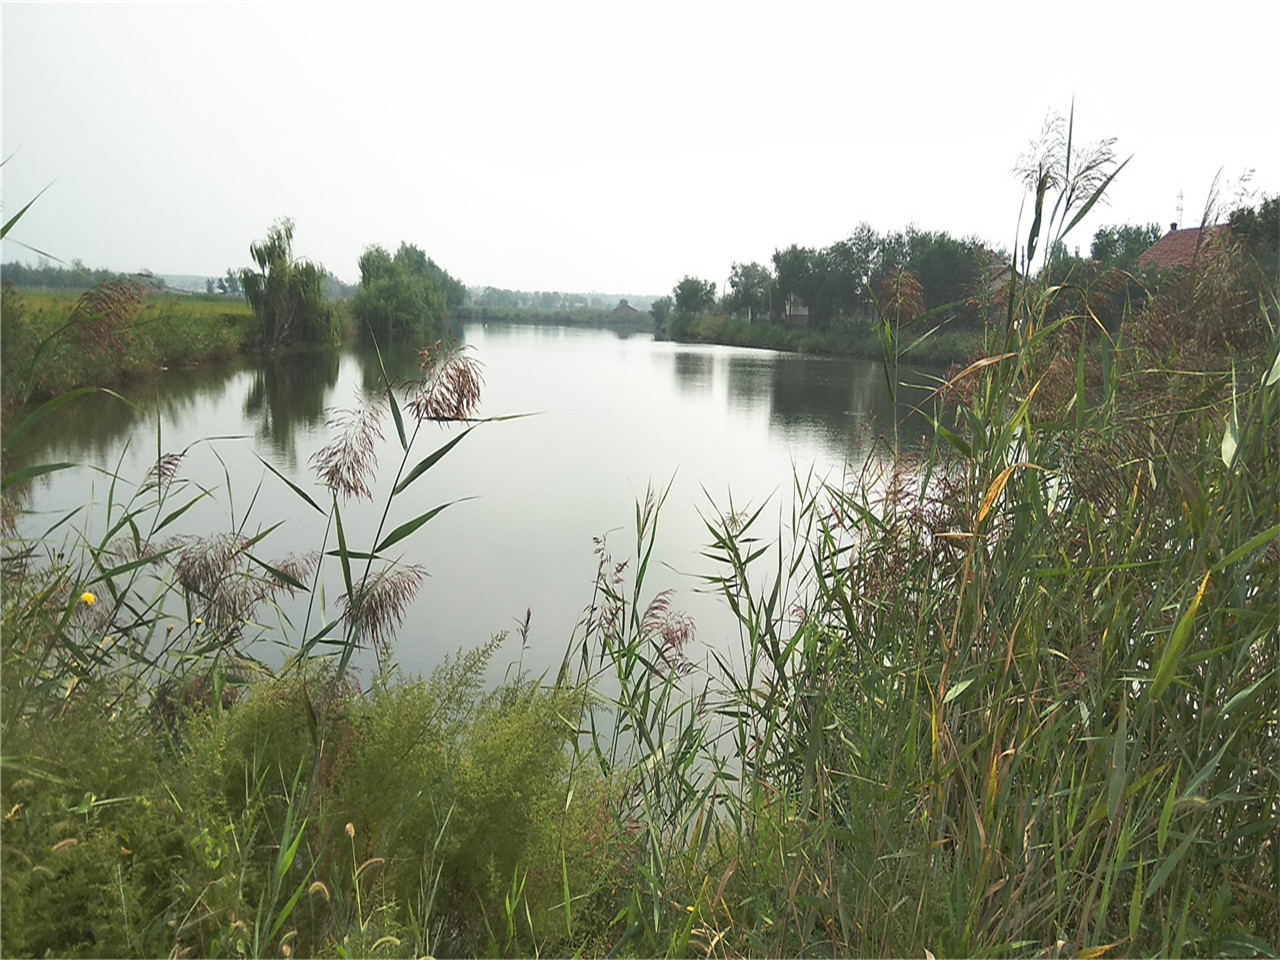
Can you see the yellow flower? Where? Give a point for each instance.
(88, 598)
(198, 621)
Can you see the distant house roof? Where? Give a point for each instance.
(1178, 248)
(624, 310)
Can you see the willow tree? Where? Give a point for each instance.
(287, 295)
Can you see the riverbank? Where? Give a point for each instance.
(57, 341)
(849, 339)
(49, 348)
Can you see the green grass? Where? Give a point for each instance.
(90, 349)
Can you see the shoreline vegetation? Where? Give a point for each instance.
(860, 339)
(1012, 694)
(54, 342)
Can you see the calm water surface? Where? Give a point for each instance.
(609, 415)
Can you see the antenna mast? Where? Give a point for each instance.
(1179, 221)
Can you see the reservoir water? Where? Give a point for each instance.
(607, 415)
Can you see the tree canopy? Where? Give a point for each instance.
(1120, 246)
(404, 295)
(287, 295)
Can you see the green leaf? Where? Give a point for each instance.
(1274, 376)
(288, 907)
(1172, 861)
(175, 514)
(430, 461)
(1239, 553)
(293, 486)
(391, 396)
(1097, 195)
(353, 554)
(1119, 762)
(286, 858)
(8, 224)
(395, 415)
(1135, 903)
(1168, 664)
(315, 638)
(46, 408)
(1231, 435)
(955, 691)
(1244, 695)
(277, 573)
(1166, 812)
(30, 473)
(1207, 770)
(131, 565)
(407, 528)
(343, 554)
(954, 440)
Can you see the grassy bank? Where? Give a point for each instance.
(53, 342)
(848, 339)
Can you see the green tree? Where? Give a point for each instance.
(694, 296)
(948, 269)
(750, 286)
(230, 284)
(1257, 231)
(286, 294)
(497, 298)
(802, 274)
(453, 289)
(400, 296)
(660, 310)
(1120, 246)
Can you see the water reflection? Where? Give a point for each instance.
(693, 371)
(400, 358)
(91, 428)
(843, 403)
(289, 392)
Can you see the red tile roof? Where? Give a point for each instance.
(1179, 248)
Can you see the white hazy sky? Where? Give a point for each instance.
(603, 146)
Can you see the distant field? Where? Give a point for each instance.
(55, 341)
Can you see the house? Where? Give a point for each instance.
(624, 309)
(796, 312)
(1180, 248)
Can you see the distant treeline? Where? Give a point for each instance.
(584, 317)
(915, 272)
(76, 276)
(496, 298)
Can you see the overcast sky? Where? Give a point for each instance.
(603, 146)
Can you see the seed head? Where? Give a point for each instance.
(346, 463)
(449, 388)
